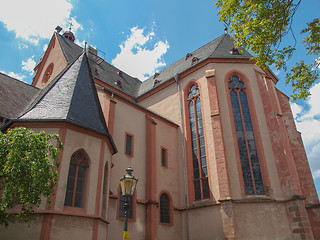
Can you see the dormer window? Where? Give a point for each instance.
(118, 83)
(155, 75)
(120, 74)
(96, 71)
(156, 82)
(194, 60)
(188, 55)
(235, 51)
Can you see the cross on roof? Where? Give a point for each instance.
(70, 23)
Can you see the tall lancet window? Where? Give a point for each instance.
(199, 159)
(78, 171)
(246, 142)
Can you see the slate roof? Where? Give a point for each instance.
(70, 50)
(72, 97)
(218, 48)
(109, 74)
(15, 96)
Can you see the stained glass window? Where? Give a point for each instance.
(199, 159)
(245, 136)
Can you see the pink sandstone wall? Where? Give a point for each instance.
(54, 55)
(149, 135)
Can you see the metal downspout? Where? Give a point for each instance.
(176, 77)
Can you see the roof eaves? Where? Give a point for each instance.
(11, 121)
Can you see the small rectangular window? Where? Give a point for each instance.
(129, 145)
(164, 160)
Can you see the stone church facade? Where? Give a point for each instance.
(211, 139)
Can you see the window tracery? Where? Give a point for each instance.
(199, 159)
(245, 138)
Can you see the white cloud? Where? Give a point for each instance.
(314, 101)
(45, 47)
(22, 45)
(141, 55)
(15, 75)
(316, 174)
(29, 65)
(35, 19)
(296, 109)
(308, 123)
(80, 43)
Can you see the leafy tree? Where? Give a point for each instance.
(261, 26)
(26, 171)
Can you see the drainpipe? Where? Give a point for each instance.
(176, 77)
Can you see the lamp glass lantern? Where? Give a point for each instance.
(128, 183)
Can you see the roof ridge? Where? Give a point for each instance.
(96, 98)
(224, 35)
(42, 93)
(61, 43)
(62, 49)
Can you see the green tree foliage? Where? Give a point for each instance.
(261, 26)
(27, 171)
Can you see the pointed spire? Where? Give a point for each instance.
(71, 97)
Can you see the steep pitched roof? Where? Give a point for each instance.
(100, 69)
(70, 50)
(15, 96)
(70, 97)
(111, 75)
(219, 48)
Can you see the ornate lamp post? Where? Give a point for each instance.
(128, 186)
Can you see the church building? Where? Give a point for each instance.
(211, 139)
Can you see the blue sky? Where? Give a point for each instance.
(141, 37)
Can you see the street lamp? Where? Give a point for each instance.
(128, 185)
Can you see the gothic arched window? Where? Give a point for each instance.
(77, 176)
(164, 208)
(245, 136)
(199, 160)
